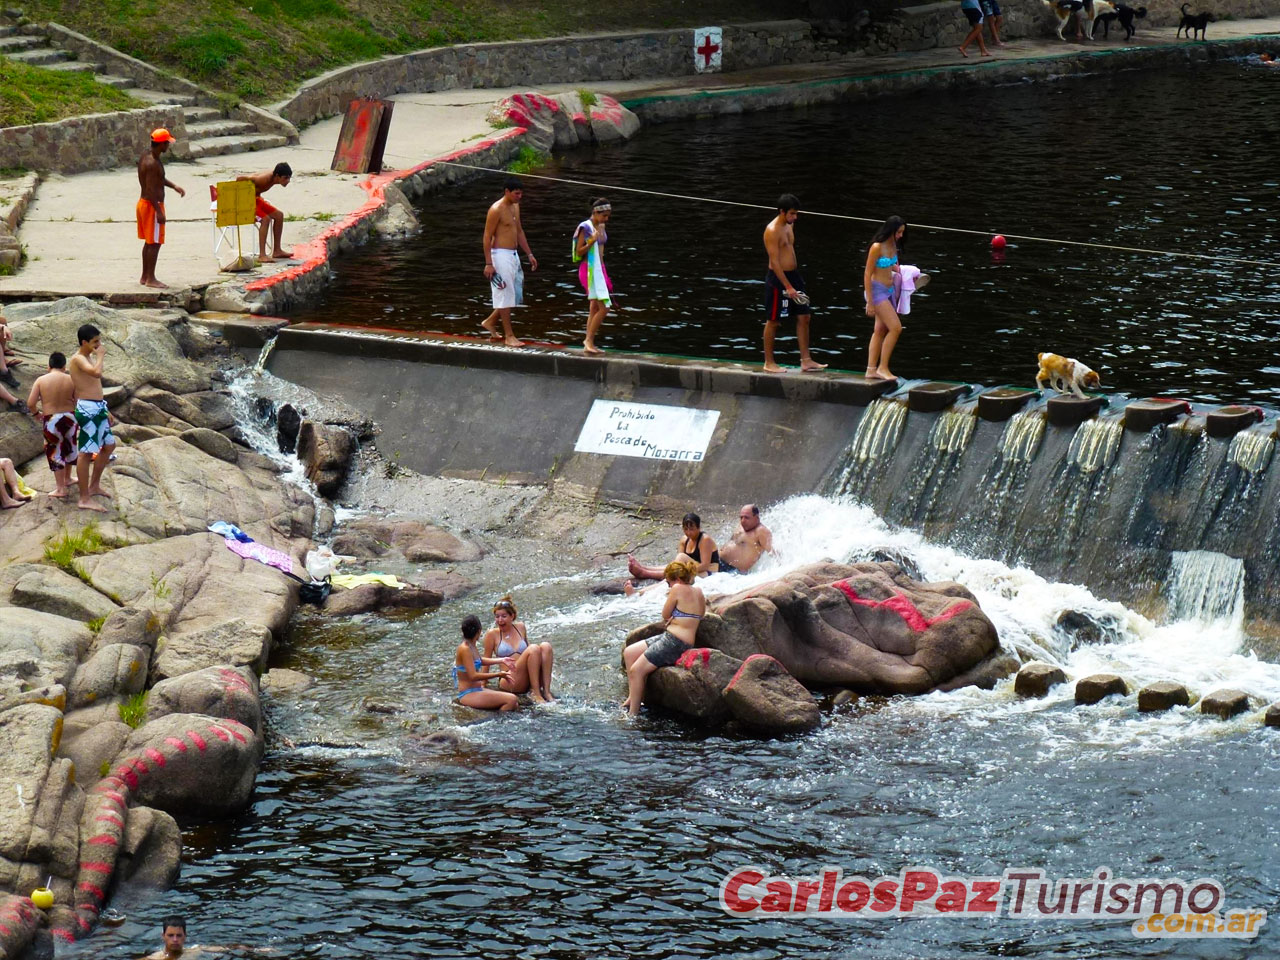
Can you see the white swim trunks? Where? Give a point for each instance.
(510, 291)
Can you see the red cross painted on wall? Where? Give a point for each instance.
(708, 50)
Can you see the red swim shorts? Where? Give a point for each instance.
(263, 210)
(150, 226)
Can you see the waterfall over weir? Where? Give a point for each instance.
(1131, 515)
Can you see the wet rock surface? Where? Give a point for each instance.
(1037, 679)
(1096, 688)
(1164, 695)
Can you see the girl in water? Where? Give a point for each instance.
(529, 664)
(887, 246)
(681, 614)
(468, 671)
(588, 249)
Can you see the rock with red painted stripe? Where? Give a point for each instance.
(611, 121)
(223, 691)
(693, 686)
(190, 764)
(764, 696)
(865, 626)
(19, 921)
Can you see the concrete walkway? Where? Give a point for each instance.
(80, 236)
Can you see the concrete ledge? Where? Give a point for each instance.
(618, 370)
(96, 141)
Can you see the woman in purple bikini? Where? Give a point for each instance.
(877, 282)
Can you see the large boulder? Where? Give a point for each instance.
(212, 443)
(91, 748)
(764, 696)
(50, 590)
(191, 764)
(379, 598)
(142, 345)
(326, 452)
(864, 626)
(234, 643)
(694, 686)
(39, 649)
(222, 691)
(150, 850)
(417, 541)
(117, 669)
(611, 121)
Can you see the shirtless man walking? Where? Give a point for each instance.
(784, 286)
(53, 401)
(150, 210)
(749, 542)
(503, 233)
(92, 416)
(270, 218)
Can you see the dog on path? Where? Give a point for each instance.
(1125, 14)
(1065, 375)
(1193, 22)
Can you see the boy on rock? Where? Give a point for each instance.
(96, 443)
(53, 401)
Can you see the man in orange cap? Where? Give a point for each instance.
(151, 207)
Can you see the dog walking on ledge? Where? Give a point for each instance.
(1065, 375)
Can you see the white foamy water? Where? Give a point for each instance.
(1203, 649)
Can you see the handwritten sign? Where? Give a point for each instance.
(648, 430)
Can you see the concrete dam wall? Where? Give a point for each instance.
(1122, 496)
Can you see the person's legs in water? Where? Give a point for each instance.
(637, 674)
(548, 661)
(490, 700)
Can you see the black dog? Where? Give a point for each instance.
(1194, 22)
(1125, 14)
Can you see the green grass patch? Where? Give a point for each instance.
(95, 625)
(63, 551)
(527, 160)
(134, 709)
(34, 95)
(261, 50)
(588, 98)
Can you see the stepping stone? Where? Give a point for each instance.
(1098, 687)
(1272, 716)
(1035, 679)
(1142, 415)
(1162, 696)
(1225, 703)
(934, 396)
(1002, 403)
(1228, 421)
(1072, 411)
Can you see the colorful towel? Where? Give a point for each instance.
(263, 554)
(230, 531)
(60, 433)
(591, 272)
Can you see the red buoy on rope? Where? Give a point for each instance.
(997, 242)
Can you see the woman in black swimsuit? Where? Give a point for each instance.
(695, 546)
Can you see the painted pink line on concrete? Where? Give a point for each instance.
(220, 733)
(95, 866)
(155, 756)
(109, 818)
(5, 931)
(130, 777)
(690, 657)
(754, 656)
(903, 607)
(179, 745)
(92, 889)
(84, 924)
(89, 907)
(315, 252)
(62, 933)
(104, 840)
(197, 740)
(139, 767)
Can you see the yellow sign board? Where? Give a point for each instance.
(236, 203)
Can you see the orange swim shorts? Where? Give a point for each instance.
(150, 227)
(263, 210)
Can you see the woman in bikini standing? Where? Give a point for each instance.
(877, 283)
(681, 615)
(469, 672)
(529, 664)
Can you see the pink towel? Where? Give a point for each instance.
(263, 554)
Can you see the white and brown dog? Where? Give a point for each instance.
(1083, 10)
(1066, 375)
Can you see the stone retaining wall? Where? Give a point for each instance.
(97, 141)
(615, 56)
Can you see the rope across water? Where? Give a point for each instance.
(914, 225)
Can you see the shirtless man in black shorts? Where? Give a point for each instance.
(784, 286)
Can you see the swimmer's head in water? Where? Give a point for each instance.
(175, 934)
(470, 627)
(681, 570)
(505, 606)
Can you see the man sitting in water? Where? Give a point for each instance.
(748, 543)
(694, 545)
(175, 943)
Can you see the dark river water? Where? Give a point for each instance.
(1120, 159)
(571, 833)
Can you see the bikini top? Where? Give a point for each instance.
(885, 262)
(677, 612)
(695, 552)
(457, 671)
(504, 648)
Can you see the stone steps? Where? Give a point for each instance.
(12, 42)
(120, 83)
(211, 129)
(194, 114)
(74, 66)
(217, 146)
(41, 56)
(159, 96)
